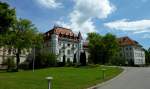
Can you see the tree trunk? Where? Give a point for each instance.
(17, 59)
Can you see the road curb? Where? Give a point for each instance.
(107, 82)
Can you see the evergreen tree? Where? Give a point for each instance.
(74, 59)
(83, 59)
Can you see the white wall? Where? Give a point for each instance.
(139, 56)
(134, 53)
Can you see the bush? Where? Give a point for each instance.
(45, 59)
(74, 59)
(93, 65)
(119, 61)
(10, 63)
(64, 60)
(24, 65)
(42, 60)
(77, 65)
(60, 64)
(69, 63)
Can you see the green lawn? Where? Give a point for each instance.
(64, 78)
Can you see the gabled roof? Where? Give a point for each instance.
(85, 44)
(62, 32)
(124, 41)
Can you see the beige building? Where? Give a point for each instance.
(132, 51)
(5, 53)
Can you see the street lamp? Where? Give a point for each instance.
(103, 73)
(49, 81)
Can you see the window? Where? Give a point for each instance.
(63, 45)
(68, 45)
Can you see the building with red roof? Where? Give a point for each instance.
(132, 51)
(64, 43)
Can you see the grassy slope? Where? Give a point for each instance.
(64, 78)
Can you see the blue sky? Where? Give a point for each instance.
(120, 17)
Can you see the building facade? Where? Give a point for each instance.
(5, 53)
(131, 51)
(85, 48)
(64, 43)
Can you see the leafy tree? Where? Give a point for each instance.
(102, 49)
(74, 59)
(111, 47)
(17, 34)
(64, 60)
(7, 19)
(147, 56)
(23, 36)
(95, 47)
(45, 59)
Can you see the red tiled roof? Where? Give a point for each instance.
(62, 32)
(124, 41)
(85, 44)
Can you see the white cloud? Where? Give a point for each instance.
(145, 36)
(81, 18)
(50, 3)
(139, 26)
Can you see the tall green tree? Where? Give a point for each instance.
(7, 19)
(17, 35)
(147, 56)
(111, 47)
(24, 36)
(102, 49)
(95, 48)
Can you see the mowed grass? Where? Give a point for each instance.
(64, 78)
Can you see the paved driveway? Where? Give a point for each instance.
(131, 78)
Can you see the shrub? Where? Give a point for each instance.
(64, 60)
(74, 59)
(45, 59)
(117, 61)
(69, 63)
(42, 60)
(10, 63)
(24, 65)
(93, 65)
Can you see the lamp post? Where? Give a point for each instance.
(33, 58)
(103, 73)
(49, 81)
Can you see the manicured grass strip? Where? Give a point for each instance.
(64, 78)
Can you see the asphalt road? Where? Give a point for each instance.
(131, 78)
